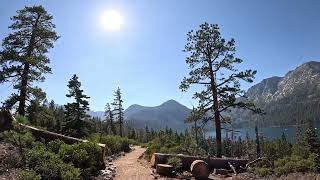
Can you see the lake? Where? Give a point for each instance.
(266, 132)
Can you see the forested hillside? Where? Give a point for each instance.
(287, 100)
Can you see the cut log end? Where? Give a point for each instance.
(200, 169)
(153, 160)
(164, 169)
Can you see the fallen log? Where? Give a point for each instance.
(7, 120)
(200, 169)
(186, 161)
(164, 169)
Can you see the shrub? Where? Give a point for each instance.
(47, 164)
(115, 144)
(86, 156)
(28, 175)
(55, 145)
(174, 161)
(262, 171)
(295, 163)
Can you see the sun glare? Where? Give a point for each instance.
(111, 20)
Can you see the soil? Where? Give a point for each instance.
(131, 166)
(8, 160)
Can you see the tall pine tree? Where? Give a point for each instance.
(118, 110)
(75, 112)
(23, 58)
(211, 62)
(108, 114)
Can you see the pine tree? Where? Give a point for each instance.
(196, 115)
(76, 112)
(118, 109)
(210, 57)
(23, 59)
(311, 138)
(108, 114)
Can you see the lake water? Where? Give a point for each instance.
(266, 132)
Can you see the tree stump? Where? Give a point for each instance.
(200, 169)
(164, 169)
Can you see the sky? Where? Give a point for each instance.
(144, 57)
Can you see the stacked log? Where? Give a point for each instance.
(186, 161)
(200, 169)
(164, 169)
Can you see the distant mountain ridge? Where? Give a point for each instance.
(169, 114)
(286, 100)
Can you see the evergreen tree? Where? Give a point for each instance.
(311, 138)
(23, 59)
(35, 107)
(76, 112)
(108, 114)
(210, 56)
(118, 109)
(196, 115)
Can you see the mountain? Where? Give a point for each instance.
(99, 114)
(169, 114)
(286, 100)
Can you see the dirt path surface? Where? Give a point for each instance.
(129, 167)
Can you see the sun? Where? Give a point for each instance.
(111, 20)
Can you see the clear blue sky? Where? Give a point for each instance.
(145, 57)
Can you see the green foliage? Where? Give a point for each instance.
(109, 121)
(262, 171)
(275, 149)
(209, 58)
(21, 119)
(28, 175)
(23, 56)
(115, 144)
(75, 112)
(85, 156)
(295, 163)
(118, 110)
(174, 161)
(20, 139)
(48, 164)
(54, 146)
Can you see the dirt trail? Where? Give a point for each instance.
(129, 168)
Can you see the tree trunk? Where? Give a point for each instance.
(257, 142)
(196, 131)
(200, 169)
(120, 126)
(23, 89)
(215, 109)
(25, 72)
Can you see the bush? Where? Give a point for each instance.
(174, 161)
(55, 145)
(86, 156)
(28, 175)
(295, 163)
(262, 171)
(49, 165)
(115, 144)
